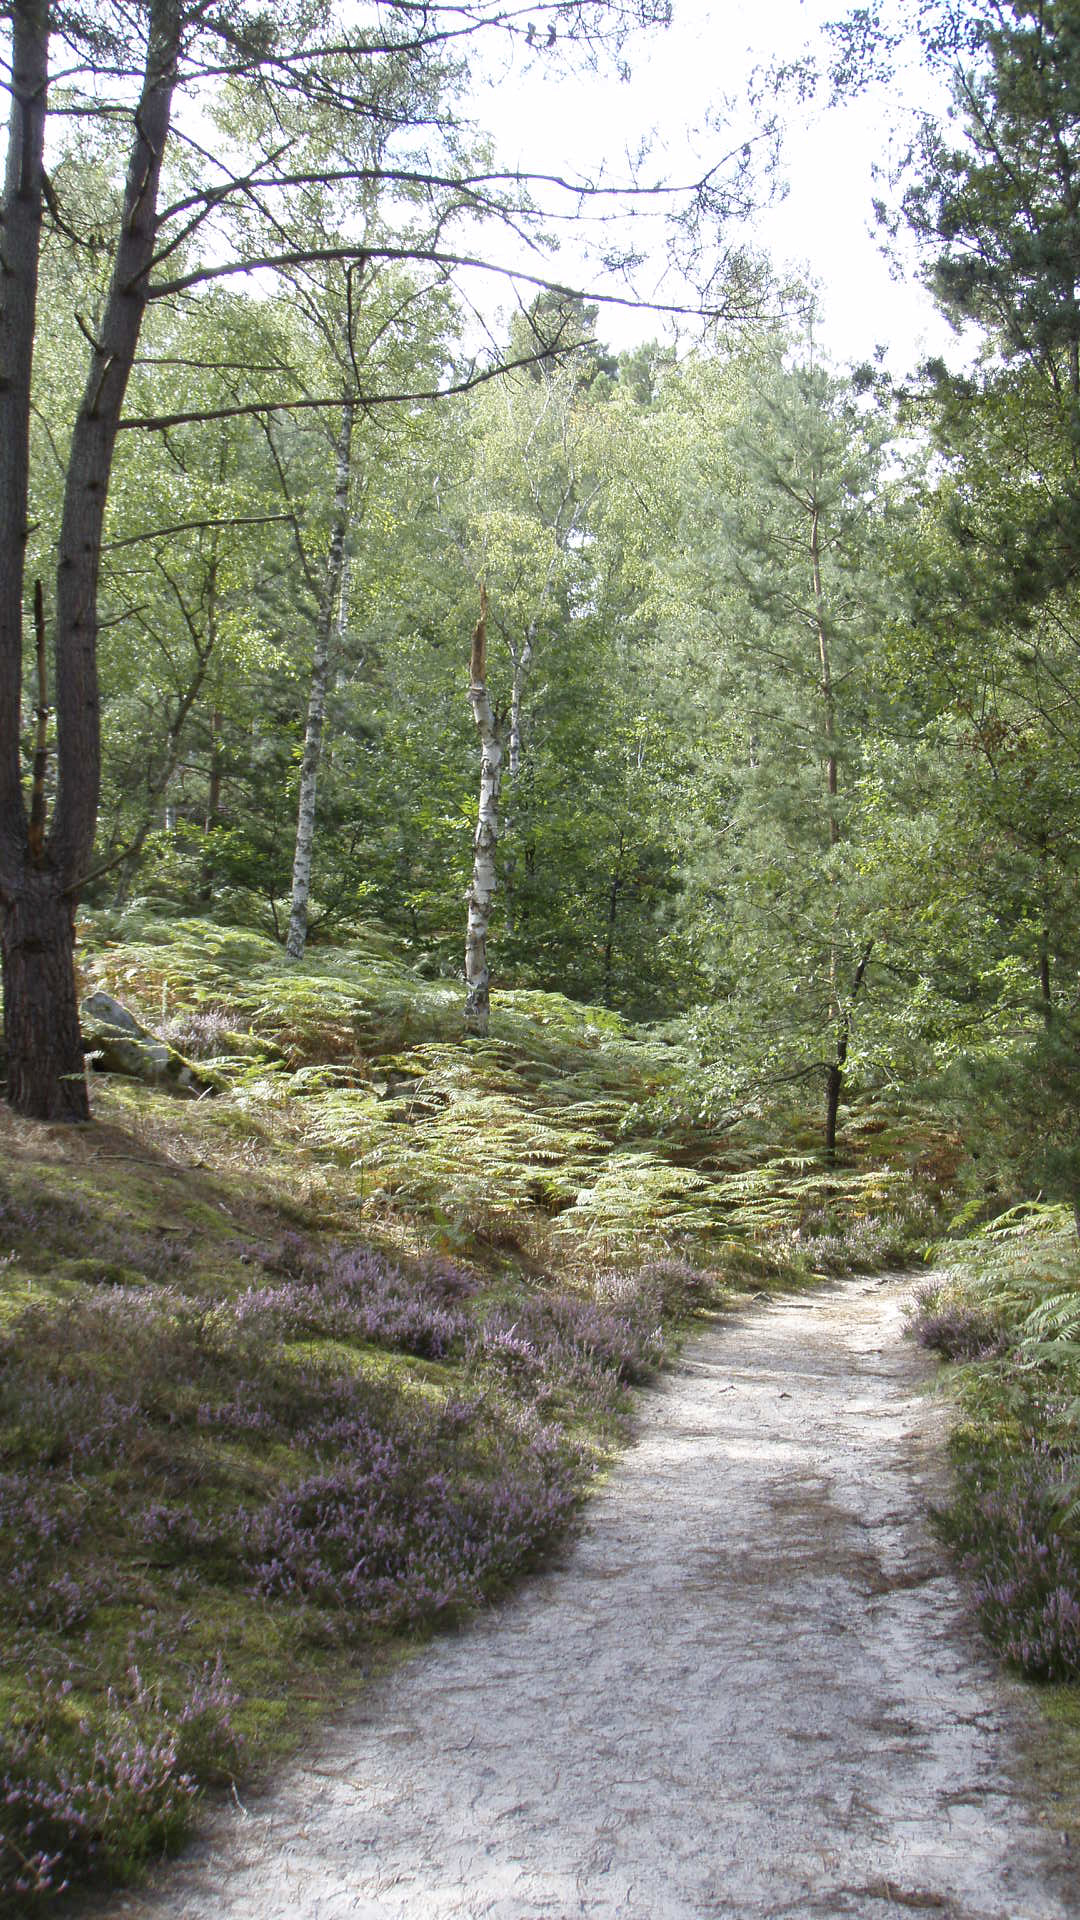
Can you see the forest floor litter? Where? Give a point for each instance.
(747, 1688)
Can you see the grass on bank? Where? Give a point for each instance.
(292, 1374)
(1005, 1317)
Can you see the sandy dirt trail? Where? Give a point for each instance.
(745, 1690)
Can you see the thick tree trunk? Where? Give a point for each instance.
(21, 229)
(39, 887)
(332, 613)
(45, 1074)
(481, 890)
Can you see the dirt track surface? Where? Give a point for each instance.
(746, 1690)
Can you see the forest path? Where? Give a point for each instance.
(746, 1690)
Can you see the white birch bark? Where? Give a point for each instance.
(481, 889)
(331, 621)
(522, 663)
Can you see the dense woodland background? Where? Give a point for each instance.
(739, 691)
(783, 658)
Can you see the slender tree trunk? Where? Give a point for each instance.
(481, 889)
(1045, 991)
(332, 613)
(612, 918)
(38, 893)
(22, 213)
(157, 785)
(522, 662)
(217, 771)
(834, 1075)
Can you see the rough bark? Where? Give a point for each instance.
(90, 462)
(43, 1042)
(481, 890)
(332, 614)
(21, 243)
(38, 893)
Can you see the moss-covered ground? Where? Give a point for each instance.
(294, 1372)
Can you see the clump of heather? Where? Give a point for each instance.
(954, 1326)
(1025, 1567)
(77, 1805)
(409, 1522)
(208, 1743)
(617, 1332)
(202, 1033)
(361, 1295)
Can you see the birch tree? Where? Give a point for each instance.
(519, 519)
(183, 220)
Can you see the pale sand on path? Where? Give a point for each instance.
(746, 1689)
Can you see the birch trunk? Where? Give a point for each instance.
(331, 621)
(522, 664)
(481, 889)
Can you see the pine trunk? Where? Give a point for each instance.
(40, 883)
(46, 1078)
(481, 890)
(332, 610)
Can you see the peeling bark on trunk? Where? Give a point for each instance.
(38, 894)
(481, 890)
(331, 618)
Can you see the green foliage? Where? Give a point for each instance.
(1008, 1311)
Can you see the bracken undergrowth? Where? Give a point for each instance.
(1007, 1315)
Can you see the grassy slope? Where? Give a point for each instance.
(292, 1373)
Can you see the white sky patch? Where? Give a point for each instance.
(823, 228)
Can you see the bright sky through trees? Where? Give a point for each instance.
(678, 80)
